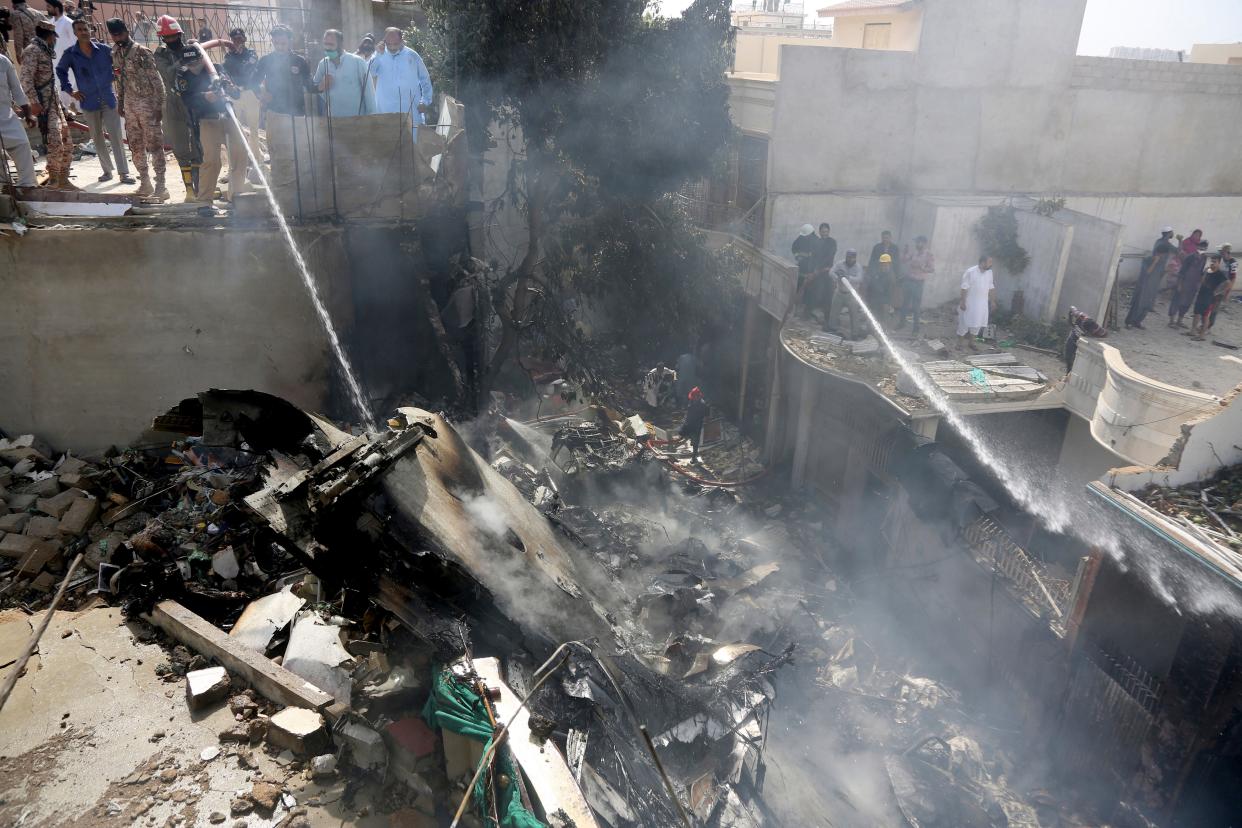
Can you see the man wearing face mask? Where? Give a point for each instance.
(342, 79)
(283, 77)
(177, 126)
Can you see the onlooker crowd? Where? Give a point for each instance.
(56, 71)
(891, 284)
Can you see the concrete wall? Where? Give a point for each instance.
(904, 30)
(379, 170)
(1090, 269)
(1141, 218)
(995, 101)
(100, 330)
(1049, 242)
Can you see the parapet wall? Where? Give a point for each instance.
(101, 329)
(1156, 76)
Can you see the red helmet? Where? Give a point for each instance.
(167, 25)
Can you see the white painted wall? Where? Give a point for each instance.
(1090, 269)
(1219, 217)
(758, 52)
(1211, 445)
(1131, 414)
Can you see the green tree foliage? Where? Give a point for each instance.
(616, 108)
(997, 232)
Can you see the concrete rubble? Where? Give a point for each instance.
(359, 613)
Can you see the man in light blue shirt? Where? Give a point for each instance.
(343, 80)
(401, 80)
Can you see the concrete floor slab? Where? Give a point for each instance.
(93, 736)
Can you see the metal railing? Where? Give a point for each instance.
(256, 19)
(726, 218)
(1031, 582)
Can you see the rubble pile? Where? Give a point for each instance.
(596, 635)
(1212, 510)
(339, 592)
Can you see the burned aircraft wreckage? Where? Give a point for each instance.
(414, 541)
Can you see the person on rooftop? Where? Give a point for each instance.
(205, 101)
(879, 285)
(38, 80)
(23, 22)
(91, 64)
(977, 300)
(14, 118)
(140, 101)
(1189, 275)
(918, 267)
(283, 76)
(823, 257)
(64, 39)
(176, 121)
(342, 79)
(1211, 293)
(1151, 277)
(852, 272)
(402, 83)
(803, 249)
(240, 62)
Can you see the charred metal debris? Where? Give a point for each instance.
(396, 604)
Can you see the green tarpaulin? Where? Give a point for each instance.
(454, 705)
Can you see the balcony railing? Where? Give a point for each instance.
(1031, 582)
(725, 218)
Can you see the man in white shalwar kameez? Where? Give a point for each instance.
(978, 297)
(12, 129)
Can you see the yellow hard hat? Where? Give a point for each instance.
(886, 259)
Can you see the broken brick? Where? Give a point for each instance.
(14, 522)
(59, 504)
(299, 730)
(46, 488)
(41, 526)
(17, 546)
(81, 514)
(204, 688)
(40, 554)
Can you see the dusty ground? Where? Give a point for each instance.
(93, 736)
(1163, 353)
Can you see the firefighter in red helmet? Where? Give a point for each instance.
(177, 126)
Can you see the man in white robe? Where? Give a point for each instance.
(978, 298)
(13, 138)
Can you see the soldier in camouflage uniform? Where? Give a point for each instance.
(23, 22)
(38, 78)
(140, 98)
(177, 126)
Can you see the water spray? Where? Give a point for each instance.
(357, 397)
